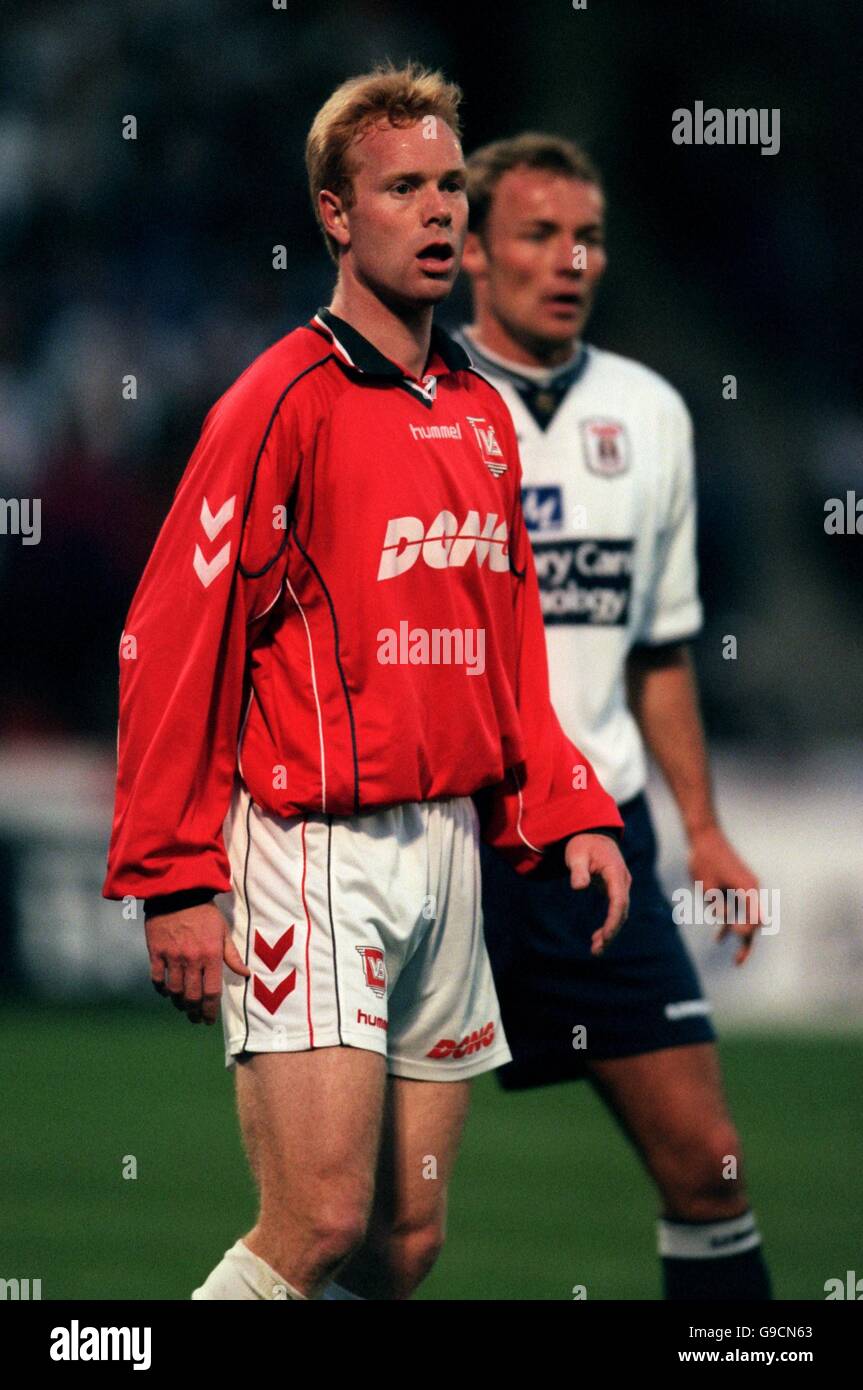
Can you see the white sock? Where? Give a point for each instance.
(700, 1240)
(335, 1293)
(244, 1275)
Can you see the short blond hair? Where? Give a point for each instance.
(531, 150)
(401, 95)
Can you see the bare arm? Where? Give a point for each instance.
(663, 697)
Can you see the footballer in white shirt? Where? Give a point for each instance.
(609, 500)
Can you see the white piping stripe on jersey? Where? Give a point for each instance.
(266, 610)
(317, 700)
(521, 833)
(341, 348)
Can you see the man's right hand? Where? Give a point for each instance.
(186, 953)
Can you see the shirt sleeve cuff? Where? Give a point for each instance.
(553, 862)
(178, 902)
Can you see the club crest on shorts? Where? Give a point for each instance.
(375, 969)
(606, 447)
(490, 451)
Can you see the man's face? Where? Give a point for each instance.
(542, 255)
(408, 220)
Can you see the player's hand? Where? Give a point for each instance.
(186, 953)
(715, 862)
(597, 857)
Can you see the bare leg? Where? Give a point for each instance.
(311, 1123)
(423, 1125)
(672, 1105)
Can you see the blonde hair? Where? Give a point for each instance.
(532, 150)
(400, 95)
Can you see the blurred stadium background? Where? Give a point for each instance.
(154, 257)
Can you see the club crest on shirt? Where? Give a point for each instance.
(490, 451)
(606, 447)
(374, 969)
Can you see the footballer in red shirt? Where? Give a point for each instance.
(333, 684)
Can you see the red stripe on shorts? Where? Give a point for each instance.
(308, 939)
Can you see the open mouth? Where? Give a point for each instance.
(438, 255)
(569, 301)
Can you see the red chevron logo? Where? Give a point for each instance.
(272, 998)
(271, 955)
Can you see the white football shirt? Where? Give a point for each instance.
(609, 500)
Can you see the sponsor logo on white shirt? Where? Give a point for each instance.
(587, 581)
(542, 508)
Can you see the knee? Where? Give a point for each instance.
(410, 1251)
(336, 1229)
(306, 1242)
(422, 1245)
(706, 1180)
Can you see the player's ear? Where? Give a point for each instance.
(474, 260)
(334, 216)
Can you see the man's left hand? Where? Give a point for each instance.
(597, 857)
(714, 862)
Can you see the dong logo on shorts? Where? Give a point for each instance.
(375, 968)
(445, 544)
(448, 1047)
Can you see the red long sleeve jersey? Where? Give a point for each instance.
(343, 539)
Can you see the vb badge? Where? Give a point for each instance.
(490, 451)
(606, 447)
(375, 969)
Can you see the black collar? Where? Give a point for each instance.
(543, 402)
(560, 383)
(365, 357)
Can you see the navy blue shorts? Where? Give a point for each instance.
(563, 1008)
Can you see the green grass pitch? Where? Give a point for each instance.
(547, 1193)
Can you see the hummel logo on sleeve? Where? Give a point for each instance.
(208, 570)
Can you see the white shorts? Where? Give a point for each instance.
(363, 931)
